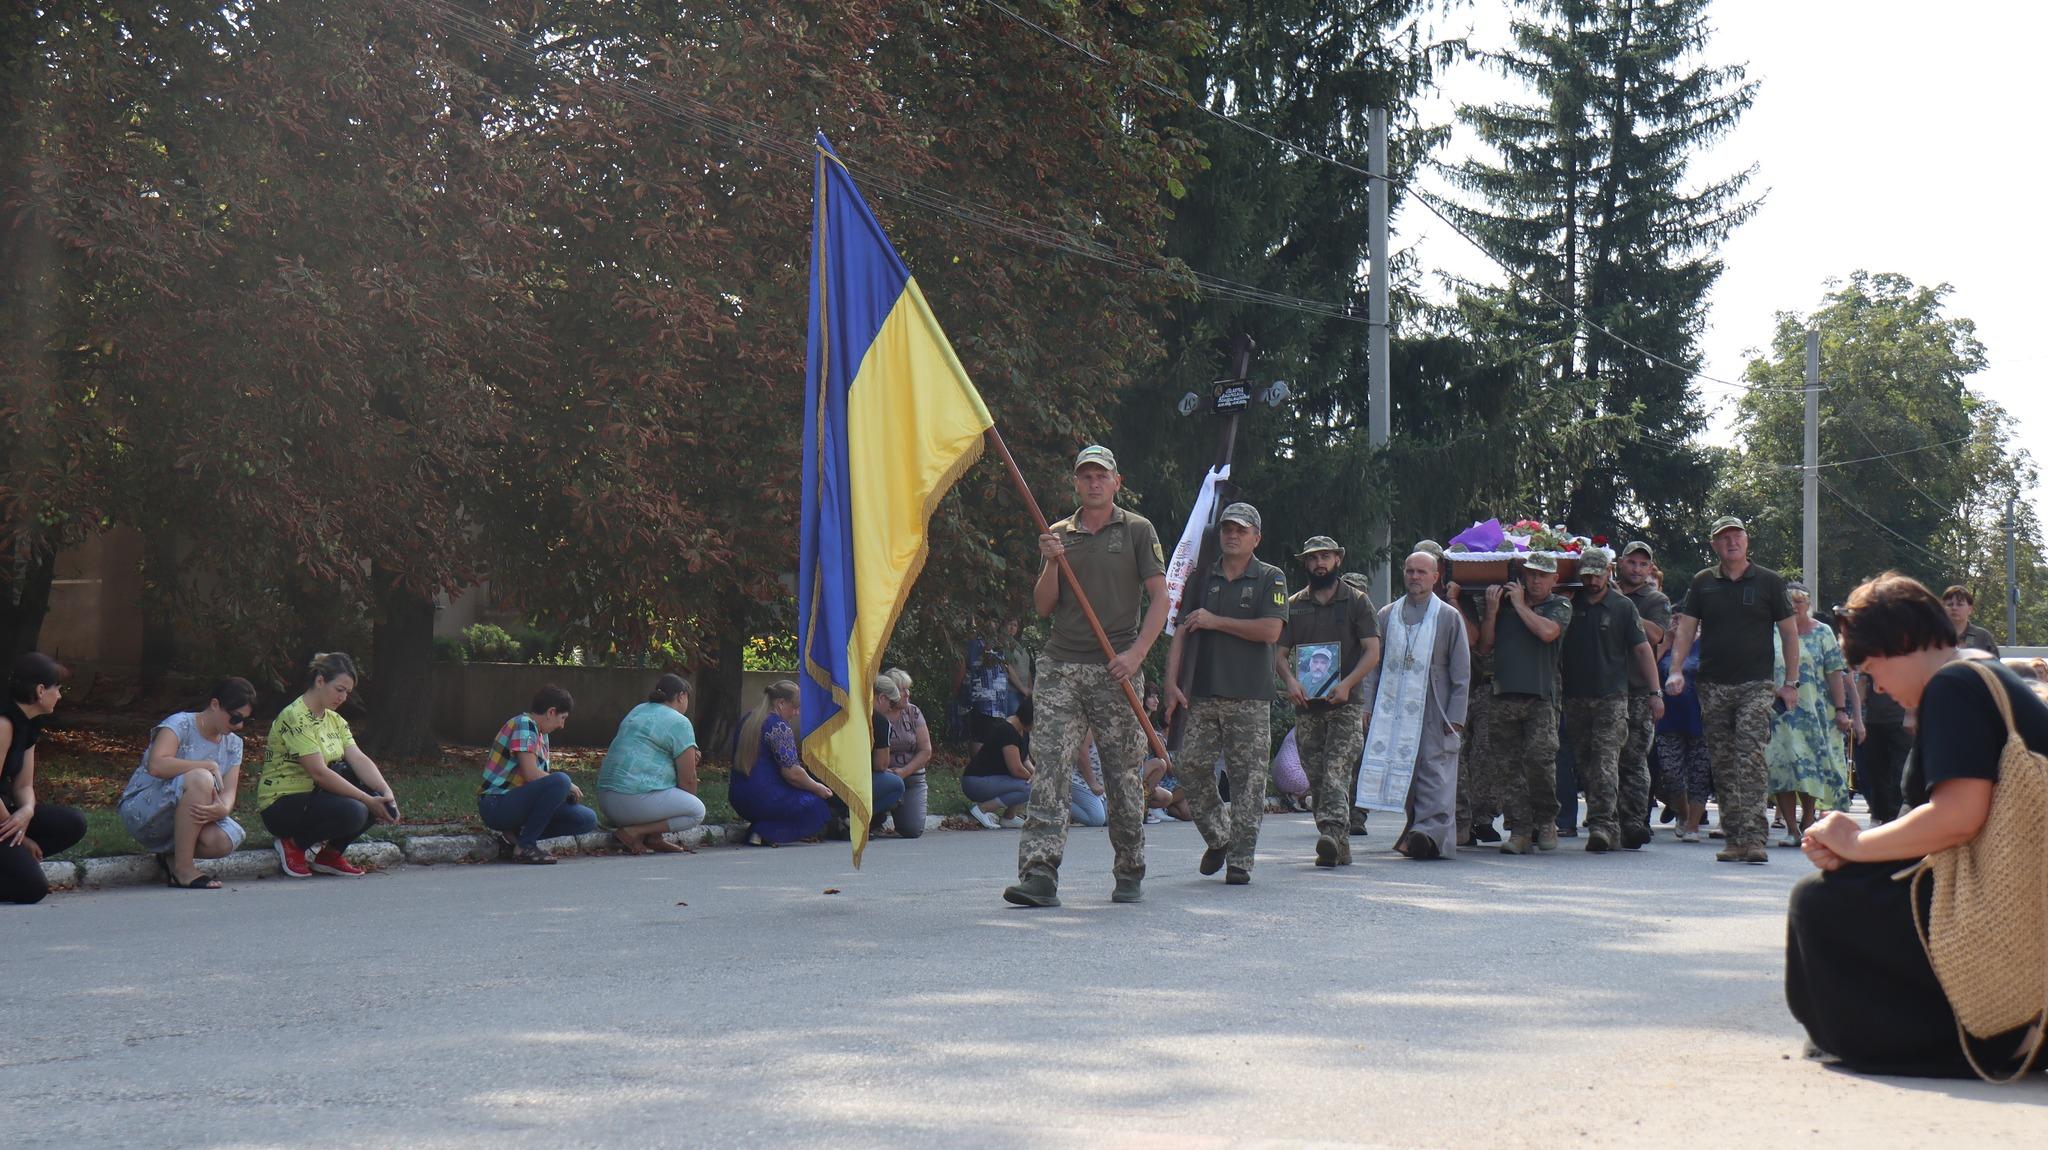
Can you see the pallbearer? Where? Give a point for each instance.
(1415, 702)
(1239, 613)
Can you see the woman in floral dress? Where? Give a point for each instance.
(1806, 756)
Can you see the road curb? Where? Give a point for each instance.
(376, 854)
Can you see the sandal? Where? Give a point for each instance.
(660, 845)
(200, 881)
(631, 845)
(533, 856)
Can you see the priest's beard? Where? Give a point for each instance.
(1324, 582)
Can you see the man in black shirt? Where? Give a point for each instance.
(1881, 752)
(1961, 605)
(1632, 576)
(1603, 649)
(1744, 606)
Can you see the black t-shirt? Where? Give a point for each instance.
(1741, 615)
(26, 732)
(989, 759)
(1961, 734)
(1976, 636)
(879, 722)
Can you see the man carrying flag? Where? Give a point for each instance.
(890, 421)
(1115, 556)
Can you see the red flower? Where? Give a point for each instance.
(1599, 540)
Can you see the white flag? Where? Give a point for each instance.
(1190, 546)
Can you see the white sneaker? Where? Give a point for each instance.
(1151, 816)
(984, 818)
(1013, 823)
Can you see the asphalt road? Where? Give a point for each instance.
(1567, 999)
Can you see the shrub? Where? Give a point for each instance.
(490, 643)
(449, 649)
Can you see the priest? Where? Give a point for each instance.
(1415, 719)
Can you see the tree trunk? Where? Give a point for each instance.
(398, 684)
(719, 704)
(159, 615)
(25, 602)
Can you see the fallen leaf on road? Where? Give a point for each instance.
(831, 890)
(682, 904)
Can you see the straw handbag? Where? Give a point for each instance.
(1987, 932)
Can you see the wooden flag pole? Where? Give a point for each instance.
(995, 439)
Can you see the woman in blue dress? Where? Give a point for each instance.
(770, 788)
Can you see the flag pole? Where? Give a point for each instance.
(995, 440)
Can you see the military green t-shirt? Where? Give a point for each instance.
(1112, 565)
(1654, 607)
(1348, 620)
(1230, 667)
(1600, 645)
(1738, 618)
(1522, 663)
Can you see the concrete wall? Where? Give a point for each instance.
(472, 700)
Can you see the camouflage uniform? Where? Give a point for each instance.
(1598, 729)
(1735, 719)
(1634, 808)
(1518, 758)
(1332, 744)
(1476, 803)
(1070, 699)
(1240, 732)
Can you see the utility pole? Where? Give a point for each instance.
(1380, 411)
(1809, 558)
(2012, 575)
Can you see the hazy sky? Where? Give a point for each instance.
(1885, 138)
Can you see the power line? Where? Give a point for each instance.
(1427, 201)
(1886, 527)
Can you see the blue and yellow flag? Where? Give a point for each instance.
(890, 421)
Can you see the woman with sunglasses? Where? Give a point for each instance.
(29, 831)
(180, 802)
(319, 787)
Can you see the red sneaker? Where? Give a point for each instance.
(331, 861)
(293, 857)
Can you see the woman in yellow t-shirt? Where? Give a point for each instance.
(318, 787)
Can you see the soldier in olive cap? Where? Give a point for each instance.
(1116, 557)
(1238, 607)
(1604, 645)
(1518, 753)
(1329, 726)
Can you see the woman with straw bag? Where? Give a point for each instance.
(1922, 946)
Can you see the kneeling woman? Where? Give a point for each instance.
(648, 783)
(524, 796)
(180, 802)
(318, 787)
(1856, 975)
(780, 800)
(29, 831)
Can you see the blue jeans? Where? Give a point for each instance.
(885, 791)
(1085, 805)
(539, 810)
(1010, 790)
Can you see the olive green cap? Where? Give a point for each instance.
(1319, 543)
(1538, 561)
(1725, 523)
(1097, 454)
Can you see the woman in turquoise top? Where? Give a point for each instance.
(647, 785)
(1806, 759)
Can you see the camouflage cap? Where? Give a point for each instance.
(1430, 547)
(1725, 523)
(1319, 543)
(1635, 546)
(1595, 561)
(1243, 513)
(1097, 454)
(1538, 561)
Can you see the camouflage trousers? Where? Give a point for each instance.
(1598, 730)
(1735, 720)
(1332, 743)
(1071, 699)
(1475, 805)
(1518, 760)
(1240, 732)
(1637, 781)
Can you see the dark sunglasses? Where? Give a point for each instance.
(238, 720)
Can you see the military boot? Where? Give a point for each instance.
(1034, 890)
(1326, 851)
(1237, 876)
(1517, 844)
(1212, 860)
(1546, 837)
(1128, 890)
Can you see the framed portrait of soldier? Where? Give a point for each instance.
(1315, 665)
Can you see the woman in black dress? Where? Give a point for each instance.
(1856, 975)
(29, 831)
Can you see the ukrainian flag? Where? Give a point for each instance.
(890, 421)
